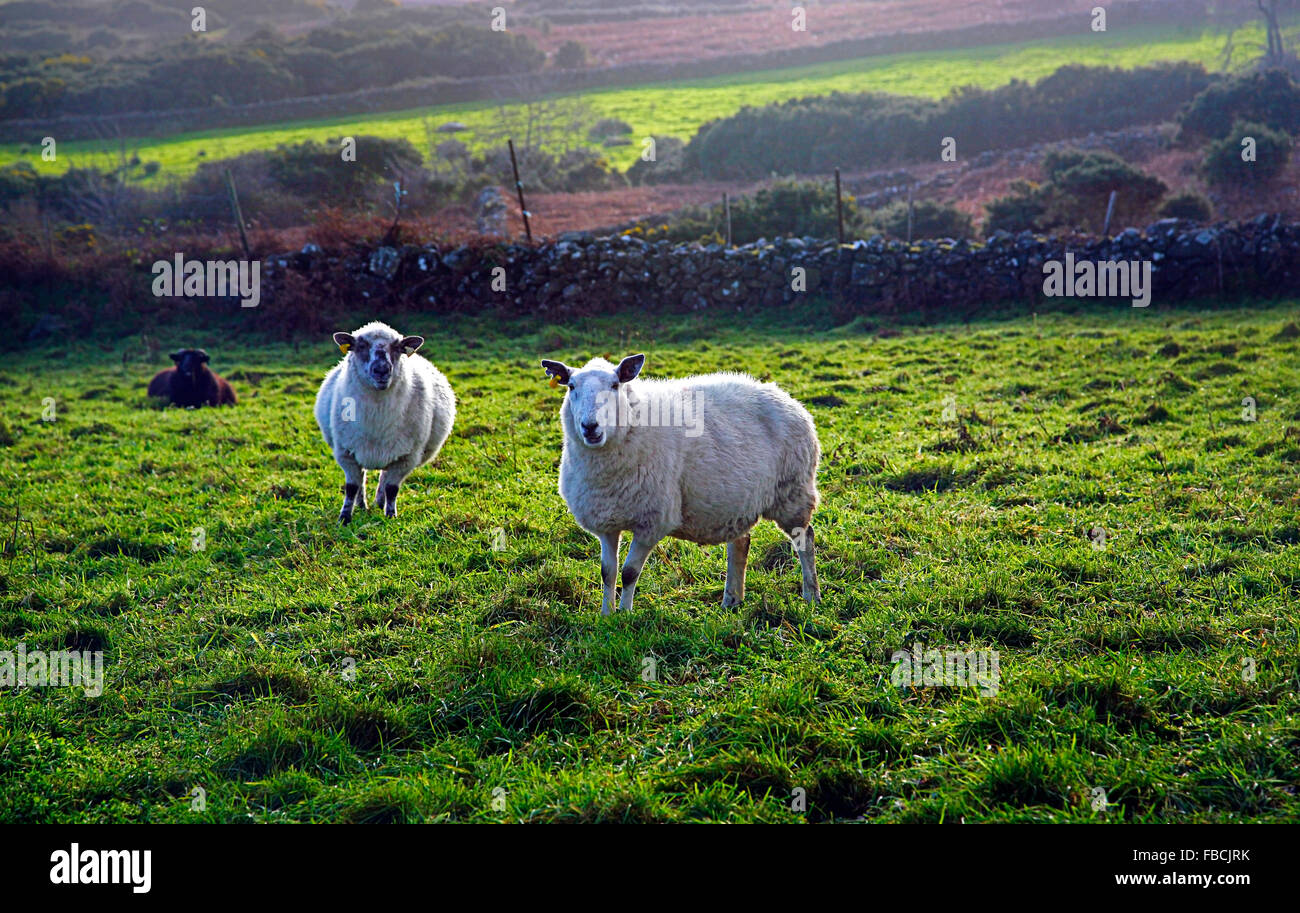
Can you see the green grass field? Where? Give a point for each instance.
(296, 670)
(679, 108)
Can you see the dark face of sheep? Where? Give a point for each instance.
(190, 362)
(595, 411)
(376, 354)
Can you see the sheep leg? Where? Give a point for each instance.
(608, 570)
(733, 593)
(637, 553)
(379, 492)
(802, 538)
(354, 484)
(393, 475)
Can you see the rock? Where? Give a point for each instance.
(384, 262)
(490, 212)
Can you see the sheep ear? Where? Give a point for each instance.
(178, 355)
(411, 344)
(630, 367)
(344, 341)
(203, 356)
(557, 369)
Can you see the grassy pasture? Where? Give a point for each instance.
(680, 108)
(405, 670)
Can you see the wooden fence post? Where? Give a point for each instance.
(239, 213)
(839, 208)
(1110, 210)
(519, 187)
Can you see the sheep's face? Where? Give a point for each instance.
(595, 407)
(190, 362)
(375, 353)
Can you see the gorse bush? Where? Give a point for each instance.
(1081, 185)
(929, 220)
(1187, 204)
(1075, 195)
(1023, 209)
(787, 208)
(1271, 98)
(871, 130)
(1225, 166)
(317, 171)
(668, 164)
(17, 181)
(570, 171)
(790, 208)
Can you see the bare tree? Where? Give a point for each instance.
(536, 121)
(1275, 51)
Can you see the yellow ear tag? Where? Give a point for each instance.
(554, 381)
(344, 347)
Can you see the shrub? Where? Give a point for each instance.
(575, 170)
(1187, 204)
(585, 169)
(17, 181)
(571, 55)
(872, 130)
(316, 171)
(1224, 165)
(1080, 187)
(607, 127)
(669, 163)
(1024, 209)
(1075, 194)
(1270, 98)
(786, 208)
(929, 220)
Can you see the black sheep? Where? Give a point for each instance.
(191, 382)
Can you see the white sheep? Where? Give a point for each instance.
(382, 407)
(698, 458)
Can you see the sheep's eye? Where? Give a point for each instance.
(614, 385)
(570, 386)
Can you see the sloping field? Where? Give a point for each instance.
(669, 39)
(678, 109)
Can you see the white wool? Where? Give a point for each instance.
(700, 458)
(395, 429)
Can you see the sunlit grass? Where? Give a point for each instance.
(405, 669)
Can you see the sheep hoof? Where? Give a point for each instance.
(729, 601)
(345, 517)
(812, 597)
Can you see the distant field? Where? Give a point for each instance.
(679, 108)
(1095, 509)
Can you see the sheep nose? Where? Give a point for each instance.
(589, 428)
